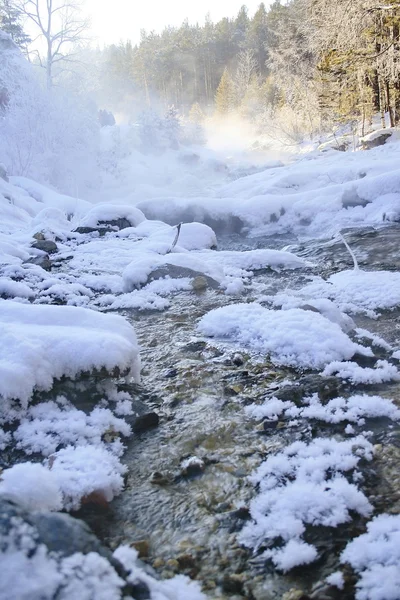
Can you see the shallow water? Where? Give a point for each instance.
(189, 521)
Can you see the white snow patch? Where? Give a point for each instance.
(381, 372)
(83, 470)
(43, 343)
(31, 485)
(375, 556)
(353, 409)
(295, 337)
(304, 485)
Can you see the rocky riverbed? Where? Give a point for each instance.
(187, 492)
(181, 466)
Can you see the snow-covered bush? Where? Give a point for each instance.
(44, 134)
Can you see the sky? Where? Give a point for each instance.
(127, 17)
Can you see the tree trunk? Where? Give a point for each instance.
(382, 105)
(388, 103)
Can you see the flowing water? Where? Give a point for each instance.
(186, 520)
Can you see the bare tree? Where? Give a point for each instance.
(61, 25)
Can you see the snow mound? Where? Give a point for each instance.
(304, 485)
(32, 485)
(139, 270)
(112, 212)
(368, 290)
(192, 236)
(84, 470)
(375, 556)
(43, 343)
(295, 337)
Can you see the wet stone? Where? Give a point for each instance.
(199, 283)
(143, 547)
(46, 246)
(41, 261)
(195, 347)
(145, 422)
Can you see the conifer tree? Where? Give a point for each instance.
(224, 95)
(10, 22)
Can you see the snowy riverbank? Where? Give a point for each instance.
(69, 367)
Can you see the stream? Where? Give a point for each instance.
(184, 517)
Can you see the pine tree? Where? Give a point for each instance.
(196, 115)
(224, 95)
(10, 22)
(257, 38)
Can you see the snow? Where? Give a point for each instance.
(46, 426)
(177, 588)
(367, 290)
(43, 343)
(31, 571)
(304, 485)
(314, 195)
(353, 409)
(293, 554)
(294, 337)
(112, 212)
(383, 371)
(351, 291)
(375, 556)
(32, 486)
(83, 470)
(336, 579)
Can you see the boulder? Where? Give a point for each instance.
(46, 246)
(177, 272)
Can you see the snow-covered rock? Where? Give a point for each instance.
(294, 337)
(43, 343)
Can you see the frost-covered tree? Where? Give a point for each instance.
(151, 132)
(172, 128)
(44, 134)
(60, 24)
(245, 76)
(11, 23)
